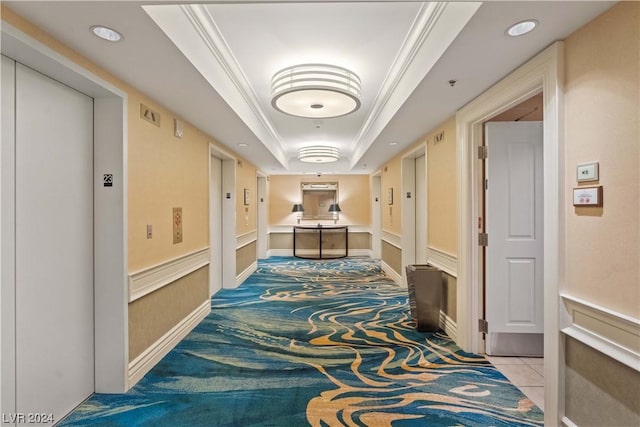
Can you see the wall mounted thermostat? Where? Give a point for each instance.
(587, 172)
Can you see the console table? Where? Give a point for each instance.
(318, 242)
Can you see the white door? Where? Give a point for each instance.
(421, 210)
(514, 256)
(215, 226)
(54, 245)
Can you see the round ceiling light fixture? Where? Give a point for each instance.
(106, 33)
(318, 154)
(315, 91)
(522, 27)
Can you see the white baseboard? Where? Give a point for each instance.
(246, 273)
(568, 423)
(448, 325)
(360, 252)
(393, 275)
(279, 252)
(151, 356)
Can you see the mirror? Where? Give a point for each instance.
(316, 199)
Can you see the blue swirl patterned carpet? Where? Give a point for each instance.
(320, 343)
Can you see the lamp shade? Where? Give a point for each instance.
(334, 208)
(297, 208)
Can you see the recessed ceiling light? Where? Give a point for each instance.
(393, 143)
(242, 144)
(106, 33)
(522, 27)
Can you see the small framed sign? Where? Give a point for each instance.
(587, 196)
(246, 197)
(587, 172)
(390, 196)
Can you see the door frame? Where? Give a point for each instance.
(111, 296)
(408, 203)
(262, 213)
(228, 239)
(545, 73)
(376, 215)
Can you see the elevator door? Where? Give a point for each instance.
(54, 245)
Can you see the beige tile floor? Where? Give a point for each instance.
(526, 373)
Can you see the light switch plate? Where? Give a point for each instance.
(587, 172)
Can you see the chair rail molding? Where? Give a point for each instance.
(392, 238)
(443, 260)
(612, 333)
(246, 239)
(150, 279)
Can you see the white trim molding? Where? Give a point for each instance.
(246, 239)
(150, 279)
(393, 275)
(279, 252)
(443, 260)
(448, 325)
(610, 332)
(544, 73)
(391, 238)
(142, 364)
(246, 273)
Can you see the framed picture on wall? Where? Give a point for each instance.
(246, 197)
(390, 196)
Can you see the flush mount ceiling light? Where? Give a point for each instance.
(315, 91)
(106, 33)
(318, 154)
(522, 27)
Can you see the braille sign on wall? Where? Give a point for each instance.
(107, 180)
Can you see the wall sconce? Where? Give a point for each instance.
(335, 208)
(298, 208)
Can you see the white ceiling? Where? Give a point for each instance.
(212, 64)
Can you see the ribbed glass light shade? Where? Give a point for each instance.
(318, 154)
(315, 91)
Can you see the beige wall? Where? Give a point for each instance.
(442, 201)
(602, 260)
(354, 197)
(602, 88)
(165, 172)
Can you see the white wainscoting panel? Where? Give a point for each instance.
(443, 260)
(392, 239)
(245, 239)
(151, 356)
(150, 279)
(614, 334)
